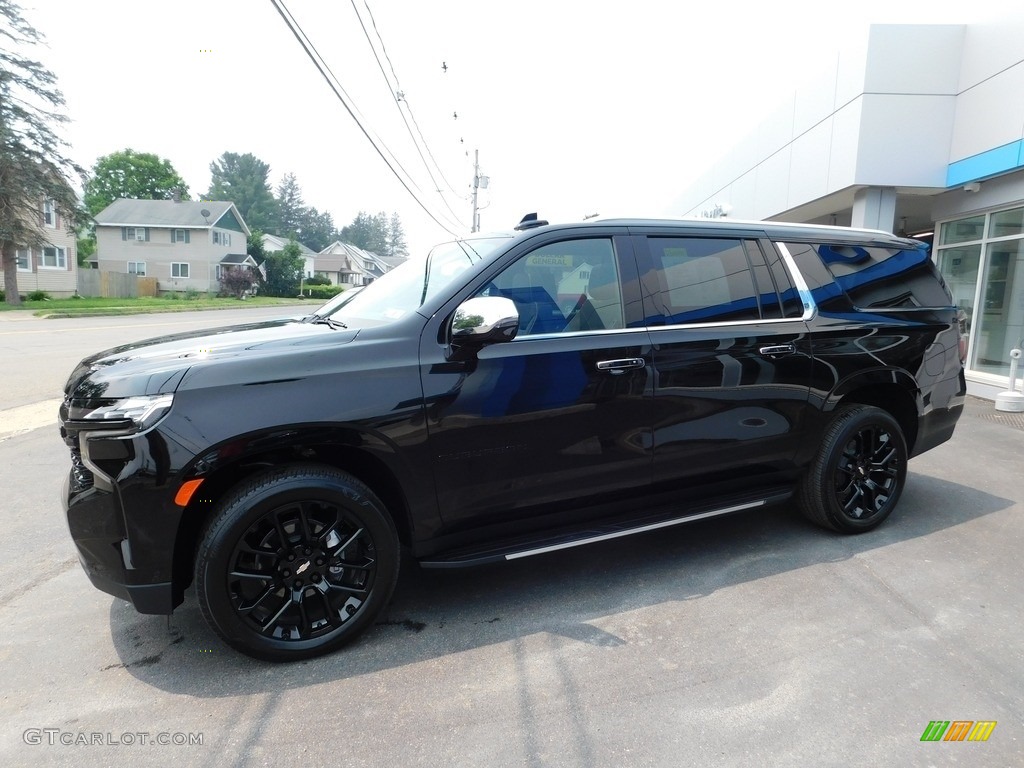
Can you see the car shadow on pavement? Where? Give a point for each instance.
(435, 613)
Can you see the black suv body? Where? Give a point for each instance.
(510, 395)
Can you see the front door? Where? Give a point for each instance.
(549, 423)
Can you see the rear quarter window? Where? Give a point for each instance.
(872, 276)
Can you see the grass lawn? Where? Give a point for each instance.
(93, 307)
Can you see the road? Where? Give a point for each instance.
(48, 349)
(755, 639)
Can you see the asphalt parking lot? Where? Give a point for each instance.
(755, 639)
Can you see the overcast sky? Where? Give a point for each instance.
(576, 107)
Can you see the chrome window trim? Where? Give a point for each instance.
(698, 326)
(890, 310)
(810, 308)
(573, 334)
(652, 328)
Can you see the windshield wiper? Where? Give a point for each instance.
(335, 324)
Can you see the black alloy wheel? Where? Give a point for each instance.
(856, 479)
(296, 563)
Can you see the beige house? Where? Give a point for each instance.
(185, 245)
(54, 267)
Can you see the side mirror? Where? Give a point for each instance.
(484, 320)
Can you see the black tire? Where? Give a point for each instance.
(856, 479)
(296, 562)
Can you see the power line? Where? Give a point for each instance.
(408, 106)
(398, 105)
(339, 92)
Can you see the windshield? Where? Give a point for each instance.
(405, 288)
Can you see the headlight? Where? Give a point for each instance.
(144, 410)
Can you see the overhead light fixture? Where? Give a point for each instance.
(972, 187)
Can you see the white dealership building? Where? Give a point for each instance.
(918, 130)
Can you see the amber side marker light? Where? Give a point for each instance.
(184, 494)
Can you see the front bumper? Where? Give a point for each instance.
(118, 500)
(104, 551)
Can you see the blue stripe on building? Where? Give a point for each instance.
(989, 163)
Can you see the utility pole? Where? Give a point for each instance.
(475, 227)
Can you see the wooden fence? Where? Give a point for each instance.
(114, 285)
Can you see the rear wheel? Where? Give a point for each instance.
(857, 477)
(296, 563)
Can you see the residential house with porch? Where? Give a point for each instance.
(345, 264)
(184, 244)
(52, 268)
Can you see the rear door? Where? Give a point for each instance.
(731, 359)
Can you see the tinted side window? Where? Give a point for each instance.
(564, 287)
(792, 305)
(879, 277)
(828, 296)
(703, 280)
(768, 296)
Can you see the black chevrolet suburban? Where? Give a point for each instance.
(509, 395)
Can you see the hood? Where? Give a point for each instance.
(158, 365)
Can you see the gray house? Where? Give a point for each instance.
(345, 264)
(184, 244)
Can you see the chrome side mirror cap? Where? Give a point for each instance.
(485, 320)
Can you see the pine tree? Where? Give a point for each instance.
(396, 237)
(242, 180)
(33, 164)
(290, 206)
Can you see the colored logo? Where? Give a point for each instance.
(958, 730)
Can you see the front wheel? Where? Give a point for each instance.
(296, 563)
(856, 478)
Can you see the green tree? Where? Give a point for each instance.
(33, 164)
(396, 238)
(254, 246)
(290, 207)
(86, 247)
(242, 179)
(284, 269)
(368, 232)
(317, 229)
(133, 175)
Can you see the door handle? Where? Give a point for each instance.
(617, 367)
(777, 350)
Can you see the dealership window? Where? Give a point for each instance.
(981, 258)
(179, 269)
(54, 258)
(137, 268)
(24, 259)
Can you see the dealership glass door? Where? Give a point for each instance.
(989, 246)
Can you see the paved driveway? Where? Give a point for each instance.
(755, 639)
